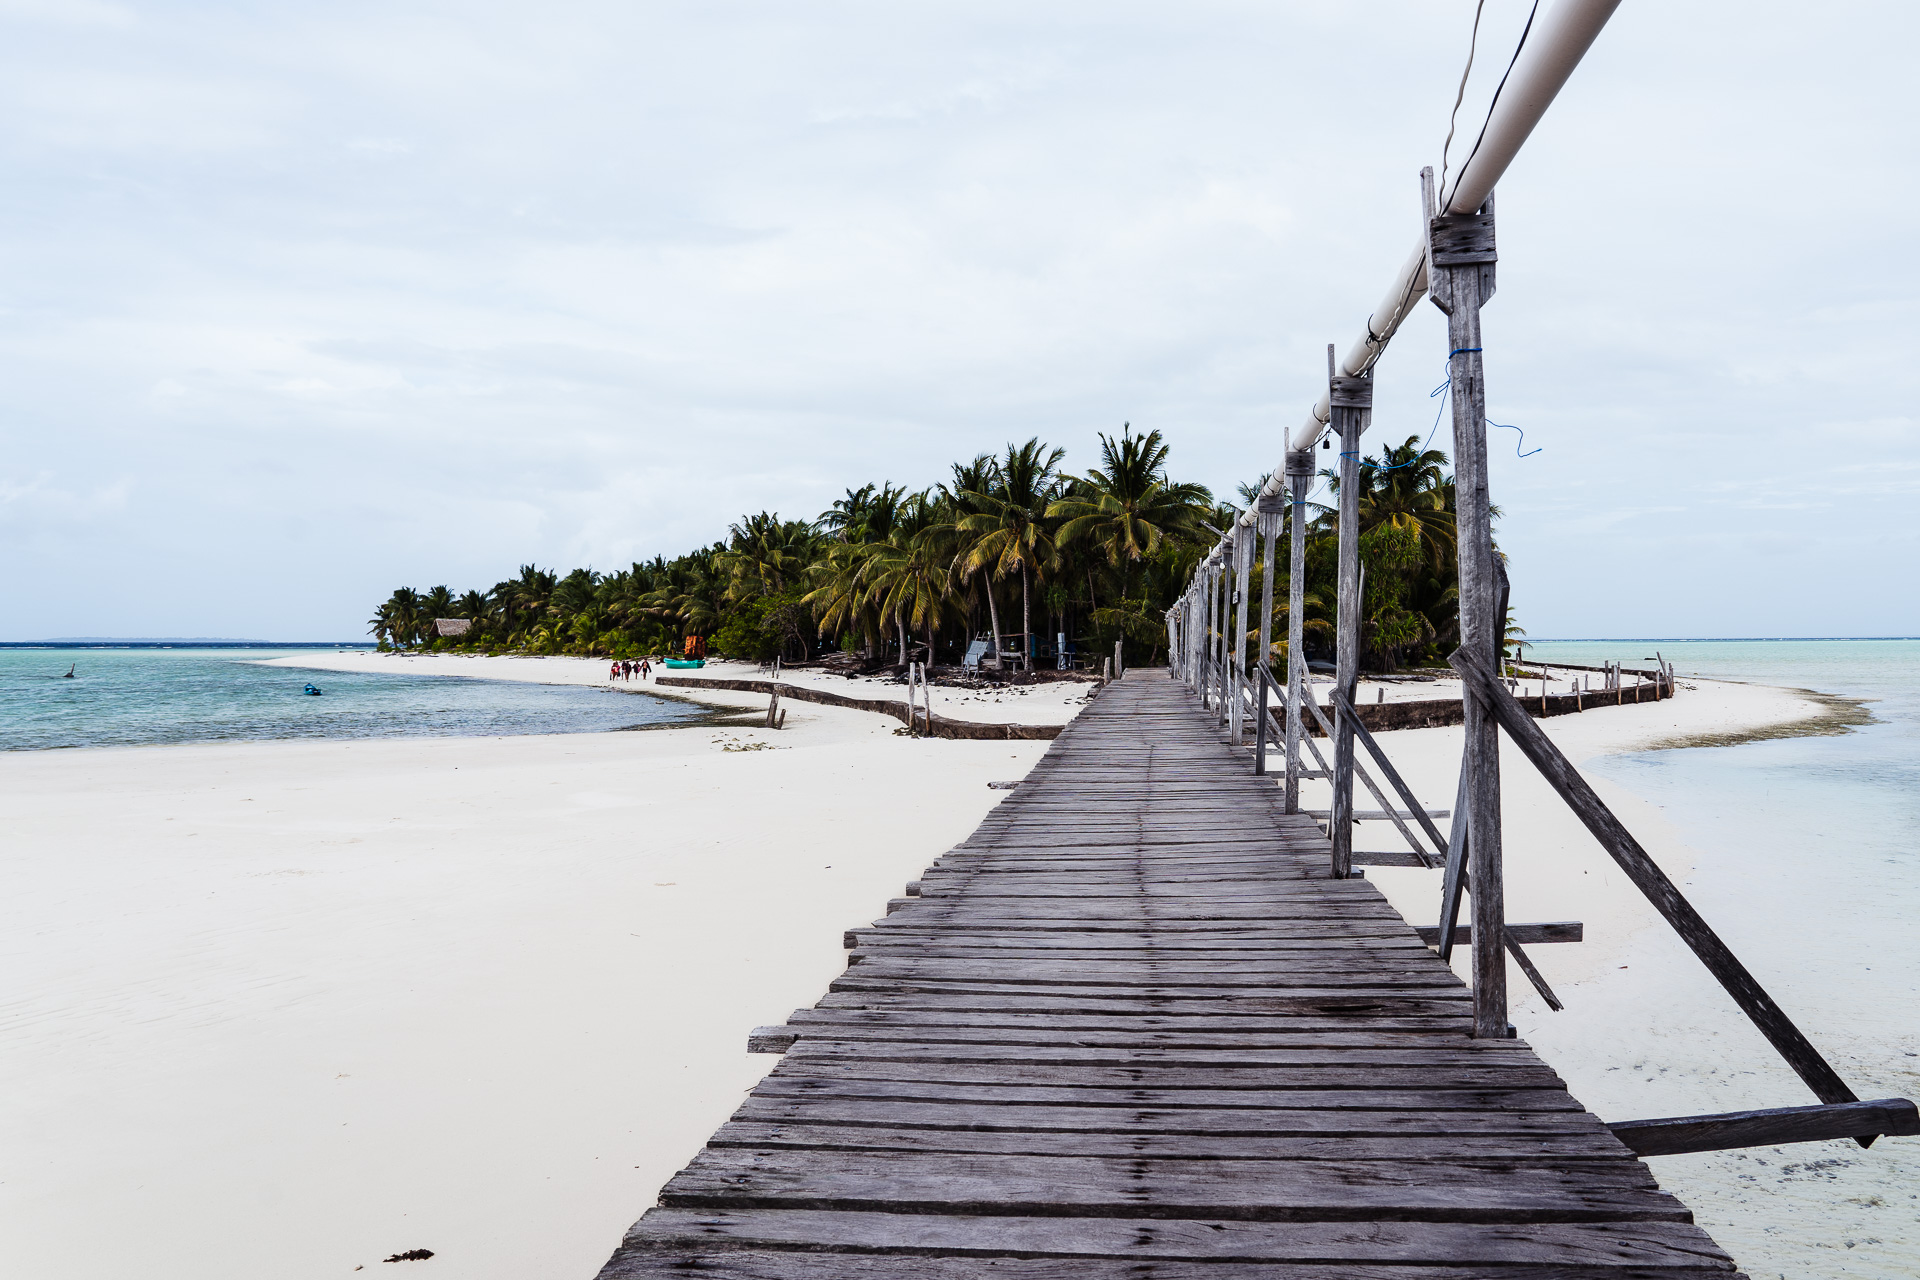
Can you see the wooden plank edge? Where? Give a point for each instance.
(1725, 1131)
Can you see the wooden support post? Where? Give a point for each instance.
(1508, 714)
(1220, 642)
(1193, 634)
(1183, 670)
(1193, 637)
(1460, 264)
(1119, 667)
(1365, 738)
(1454, 883)
(1272, 513)
(1224, 579)
(1260, 721)
(1352, 400)
(1243, 540)
(1206, 646)
(1203, 641)
(1299, 475)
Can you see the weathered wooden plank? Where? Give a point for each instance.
(1230, 1028)
(905, 1182)
(988, 1095)
(1562, 1149)
(644, 1261)
(1272, 1122)
(1371, 1008)
(1208, 1239)
(1179, 1075)
(1131, 1023)
(1430, 1059)
(1728, 1130)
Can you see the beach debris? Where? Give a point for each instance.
(411, 1255)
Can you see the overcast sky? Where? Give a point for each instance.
(300, 303)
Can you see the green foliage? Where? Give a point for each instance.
(1009, 544)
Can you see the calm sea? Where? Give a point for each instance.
(1799, 837)
(143, 696)
(1806, 860)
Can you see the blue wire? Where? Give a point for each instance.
(1445, 388)
(1517, 443)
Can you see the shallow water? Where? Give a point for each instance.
(1807, 862)
(137, 697)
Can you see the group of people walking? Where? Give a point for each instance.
(628, 668)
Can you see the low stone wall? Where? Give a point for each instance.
(942, 726)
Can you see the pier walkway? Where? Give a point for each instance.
(1131, 1028)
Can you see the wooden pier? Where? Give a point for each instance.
(1132, 1028)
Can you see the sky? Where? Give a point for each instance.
(301, 303)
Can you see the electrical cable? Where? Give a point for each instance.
(1453, 117)
(1525, 31)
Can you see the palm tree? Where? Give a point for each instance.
(380, 625)
(475, 606)
(1126, 506)
(765, 554)
(404, 624)
(969, 479)
(1011, 519)
(437, 603)
(1408, 489)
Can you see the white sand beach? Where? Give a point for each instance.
(289, 1008)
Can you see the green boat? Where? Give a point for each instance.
(684, 663)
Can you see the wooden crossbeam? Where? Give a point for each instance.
(1647, 876)
(1862, 1121)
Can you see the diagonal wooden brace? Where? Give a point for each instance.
(1653, 882)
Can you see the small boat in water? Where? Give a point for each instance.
(69, 674)
(311, 692)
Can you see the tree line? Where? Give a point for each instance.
(1012, 549)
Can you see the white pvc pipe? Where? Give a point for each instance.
(1560, 38)
(1554, 48)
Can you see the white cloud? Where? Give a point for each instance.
(602, 277)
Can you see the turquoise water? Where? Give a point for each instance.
(137, 697)
(1800, 838)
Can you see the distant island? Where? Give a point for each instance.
(1011, 549)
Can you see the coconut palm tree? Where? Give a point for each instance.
(969, 479)
(1126, 507)
(380, 625)
(1011, 521)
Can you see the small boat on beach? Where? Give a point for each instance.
(684, 663)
